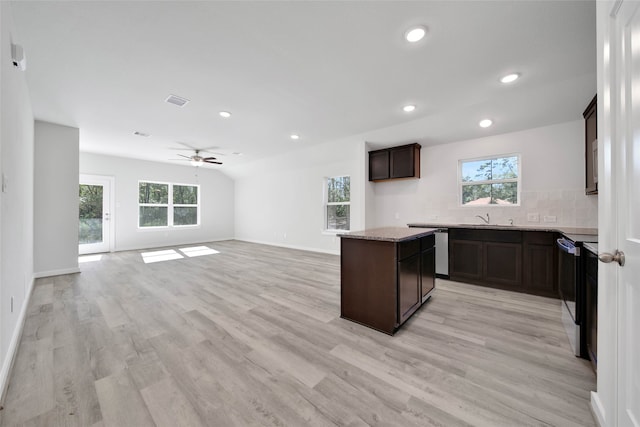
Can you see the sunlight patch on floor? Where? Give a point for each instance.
(158, 256)
(198, 251)
(89, 258)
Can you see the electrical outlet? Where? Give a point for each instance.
(284, 236)
(4, 183)
(533, 217)
(549, 218)
(11, 304)
(397, 215)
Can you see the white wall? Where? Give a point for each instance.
(16, 201)
(56, 199)
(279, 201)
(217, 201)
(552, 167)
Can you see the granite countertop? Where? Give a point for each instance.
(564, 230)
(389, 234)
(592, 247)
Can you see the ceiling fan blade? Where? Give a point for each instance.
(211, 161)
(186, 157)
(186, 145)
(213, 147)
(209, 158)
(180, 160)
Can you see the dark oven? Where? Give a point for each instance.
(572, 292)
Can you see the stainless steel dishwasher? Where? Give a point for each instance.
(442, 253)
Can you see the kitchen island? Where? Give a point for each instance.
(386, 275)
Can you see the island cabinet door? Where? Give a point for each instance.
(409, 294)
(427, 271)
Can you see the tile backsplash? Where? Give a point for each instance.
(568, 208)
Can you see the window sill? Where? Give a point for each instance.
(168, 228)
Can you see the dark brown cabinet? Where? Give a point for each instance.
(591, 147)
(540, 263)
(465, 258)
(395, 163)
(409, 294)
(591, 313)
(384, 282)
(378, 165)
(503, 264)
(520, 261)
(427, 266)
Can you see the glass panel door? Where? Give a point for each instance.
(94, 215)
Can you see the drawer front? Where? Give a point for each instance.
(540, 237)
(408, 248)
(503, 236)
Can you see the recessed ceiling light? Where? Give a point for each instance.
(415, 34)
(509, 78)
(408, 108)
(142, 134)
(485, 123)
(295, 136)
(225, 114)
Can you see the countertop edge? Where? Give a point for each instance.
(562, 230)
(382, 234)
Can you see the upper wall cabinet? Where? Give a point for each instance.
(395, 163)
(591, 146)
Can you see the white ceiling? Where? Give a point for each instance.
(324, 70)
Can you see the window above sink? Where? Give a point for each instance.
(489, 181)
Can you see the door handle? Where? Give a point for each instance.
(606, 257)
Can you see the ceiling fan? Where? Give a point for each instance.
(196, 159)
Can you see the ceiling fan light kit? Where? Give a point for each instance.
(197, 160)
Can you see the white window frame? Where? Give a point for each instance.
(170, 205)
(181, 205)
(326, 204)
(517, 180)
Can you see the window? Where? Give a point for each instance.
(337, 208)
(492, 181)
(167, 205)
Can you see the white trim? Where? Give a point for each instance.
(199, 242)
(170, 207)
(89, 178)
(12, 351)
(517, 180)
(326, 203)
(597, 410)
(60, 272)
(300, 248)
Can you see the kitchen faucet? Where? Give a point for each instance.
(485, 220)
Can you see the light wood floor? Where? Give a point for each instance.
(252, 336)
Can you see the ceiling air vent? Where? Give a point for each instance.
(176, 100)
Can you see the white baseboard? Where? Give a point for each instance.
(56, 272)
(10, 358)
(597, 410)
(141, 248)
(280, 245)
